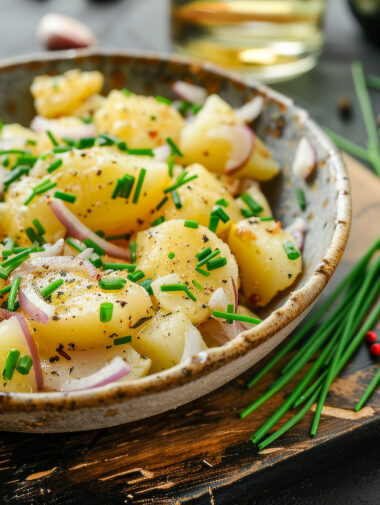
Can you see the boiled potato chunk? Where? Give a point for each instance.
(163, 339)
(198, 198)
(90, 106)
(91, 175)
(76, 307)
(15, 136)
(12, 337)
(258, 196)
(198, 145)
(83, 363)
(141, 121)
(153, 248)
(61, 95)
(265, 268)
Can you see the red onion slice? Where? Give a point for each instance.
(251, 110)
(51, 250)
(78, 230)
(162, 153)
(34, 306)
(242, 142)
(219, 300)
(86, 254)
(219, 331)
(57, 31)
(41, 125)
(298, 230)
(54, 264)
(193, 343)
(236, 294)
(305, 159)
(190, 92)
(112, 372)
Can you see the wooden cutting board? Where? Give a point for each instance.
(199, 453)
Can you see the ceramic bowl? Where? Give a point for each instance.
(328, 216)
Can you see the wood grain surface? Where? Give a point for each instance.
(199, 454)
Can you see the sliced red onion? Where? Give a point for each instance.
(193, 343)
(57, 31)
(219, 331)
(33, 304)
(236, 294)
(251, 110)
(78, 230)
(162, 153)
(219, 300)
(190, 92)
(298, 230)
(2, 178)
(86, 254)
(305, 159)
(242, 141)
(51, 250)
(112, 372)
(55, 264)
(81, 130)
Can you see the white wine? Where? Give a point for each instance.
(271, 40)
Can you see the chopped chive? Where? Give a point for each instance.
(24, 365)
(230, 310)
(268, 218)
(21, 256)
(301, 198)
(5, 290)
(191, 223)
(26, 160)
(175, 149)
(205, 259)
(75, 244)
(93, 245)
(158, 221)
(62, 149)
(213, 224)
(116, 191)
(139, 184)
(216, 263)
(126, 92)
(86, 142)
(176, 199)
(112, 283)
(5, 161)
(136, 276)
(171, 255)
(100, 233)
(10, 364)
(146, 284)
(69, 141)
(32, 236)
(53, 166)
(290, 249)
(141, 152)
(236, 317)
(106, 310)
(221, 214)
(43, 188)
(38, 226)
(106, 140)
(9, 243)
(203, 272)
(163, 201)
(52, 138)
(133, 251)
(119, 266)
(171, 165)
(203, 254)
(50, 288)
(87, 120)
(66, 197)
(197, 284)
(124, 186)
(13, 294)
(178, 287)
(180, 182)
(12, 151)
(254, 207)
(122, 340)
(162, 99)
(223, 202)
(15, 174)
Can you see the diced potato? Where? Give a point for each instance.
(76, 308)
(12, 337)
(91, 175)
(61, 95)
(153, 248)
(258, 196)
(163, 339)
(15, 136)
(83, 363)
(265, 268)
(141, 121)
(198, 198)
(198, 146)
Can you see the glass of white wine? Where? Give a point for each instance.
(271, 40)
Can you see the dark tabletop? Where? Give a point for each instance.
(143, 24)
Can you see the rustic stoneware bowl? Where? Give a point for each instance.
(327, 216)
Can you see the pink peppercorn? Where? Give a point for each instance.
(371, 337)
(375, 349)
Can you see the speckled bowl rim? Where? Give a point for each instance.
(200, 366)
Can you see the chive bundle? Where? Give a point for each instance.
(329, 348)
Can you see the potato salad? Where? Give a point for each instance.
(134, 233)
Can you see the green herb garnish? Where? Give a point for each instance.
(106, 310)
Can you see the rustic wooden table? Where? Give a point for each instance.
(161, 461)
